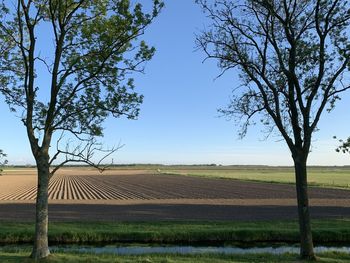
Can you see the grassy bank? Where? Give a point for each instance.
(177, 232)
(332, 177)
(22, 256)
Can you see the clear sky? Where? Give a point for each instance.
(179, 123)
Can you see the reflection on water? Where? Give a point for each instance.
(138, 250)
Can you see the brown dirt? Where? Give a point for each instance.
(84, 194)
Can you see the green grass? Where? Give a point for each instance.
(333, 177)
(177, 232)
(22, 256)
(172, 232)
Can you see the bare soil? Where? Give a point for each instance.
(84, 194)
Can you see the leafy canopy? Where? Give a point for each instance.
(86, 48)
(2, 161)
(293, 60)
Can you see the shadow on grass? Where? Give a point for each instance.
(209, 258)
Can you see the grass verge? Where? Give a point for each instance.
(324, 231)
(22, 256)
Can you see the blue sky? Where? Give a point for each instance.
(179, 123)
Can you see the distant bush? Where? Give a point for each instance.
(345, 146)
(2, 160)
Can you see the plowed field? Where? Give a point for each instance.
(82, 194)
(138, 185)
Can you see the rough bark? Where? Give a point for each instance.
(306, 243)
(41, 246)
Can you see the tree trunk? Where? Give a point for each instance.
(41, 246)
(306, 243)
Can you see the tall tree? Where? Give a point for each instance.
(87, 48)
(292, 56)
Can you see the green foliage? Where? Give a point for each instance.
(95, 47)
(345, 146)
(90, 48)
(2, 160)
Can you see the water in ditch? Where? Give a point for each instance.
(139, 250)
